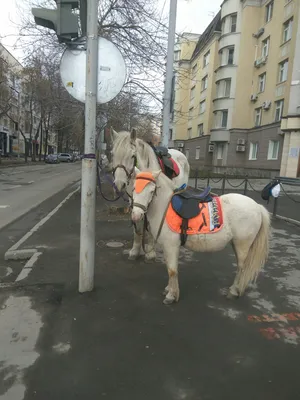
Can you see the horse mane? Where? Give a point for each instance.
(123, 141)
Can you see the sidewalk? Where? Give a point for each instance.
(121, 342)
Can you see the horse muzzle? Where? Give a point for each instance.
(138, 212)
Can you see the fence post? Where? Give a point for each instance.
(207, 179)
(196, 178)
(275, 206)
(223, 184)
(246, 185)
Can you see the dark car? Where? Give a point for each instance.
(52, 159)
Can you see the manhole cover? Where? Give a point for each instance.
(114, 244)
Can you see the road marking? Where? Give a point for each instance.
(4, 206)
(28, 267)
(14, 187)
(30, 182)
(13, 249)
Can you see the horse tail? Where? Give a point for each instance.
(258, 252)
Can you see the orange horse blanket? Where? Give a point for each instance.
(209, 220)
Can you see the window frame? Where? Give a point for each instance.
(279, 105)
(258, 113)
(201, 103)
(289, 30)
(252, 144)
(197, 153)
(206, 59)
(220, 151)
(233, 23)
(200, 130)
(269, 11)
(271, 150)
(262, 80)
(204, 83)
(190, 133)
(265, 47)
(283, 71)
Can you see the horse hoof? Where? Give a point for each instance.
(133, 257)
(168, 301)
(232, 296)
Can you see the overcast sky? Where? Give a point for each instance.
(192, 16)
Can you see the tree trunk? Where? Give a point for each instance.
(46, 145)
(41, 142)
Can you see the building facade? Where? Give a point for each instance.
(246, 69)
(18, 113)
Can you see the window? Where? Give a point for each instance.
(220, 151)
(287, 30)
(192, 94)
(265, 47)
(233, 19)
(202, 107)
(176, 55)
(200, 130)
(283, 71)
(194, 69)
(257, 116)
(224, 119)
(253, 151)
(223, 88)
(221, 118)
(204, 83)
(189, 133)
(206, 59)
(187, 153)
(197, 156)
(191, 112)
(170, 134)
(261, 83)
(269, 11)
(230, 55)
(278, 110)
(273, 150)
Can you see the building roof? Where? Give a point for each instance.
(214, 26)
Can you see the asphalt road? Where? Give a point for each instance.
(23, 188)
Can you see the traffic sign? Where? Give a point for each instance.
(111, 72)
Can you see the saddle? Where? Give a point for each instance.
(166, 162)
(187, 205)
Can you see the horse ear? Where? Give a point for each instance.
(113, 134)
(156, 174)
(133, 135)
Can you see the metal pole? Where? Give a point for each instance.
(169, 73)
(88, 182)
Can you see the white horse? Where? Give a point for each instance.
(246, 225)
(129, 151)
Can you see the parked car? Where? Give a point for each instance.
(65, 157)
(52, 159)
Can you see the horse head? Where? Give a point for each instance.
(124, 158)
(144, 189)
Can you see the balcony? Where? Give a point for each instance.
(219, 135)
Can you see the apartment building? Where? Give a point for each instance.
(251, 113)
(17, 113)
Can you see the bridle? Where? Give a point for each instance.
(130, 173)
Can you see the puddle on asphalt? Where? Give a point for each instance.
(20, 328)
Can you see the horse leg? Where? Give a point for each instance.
(150, 254)
(137, 242)
(171, 255)
(241, 250)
